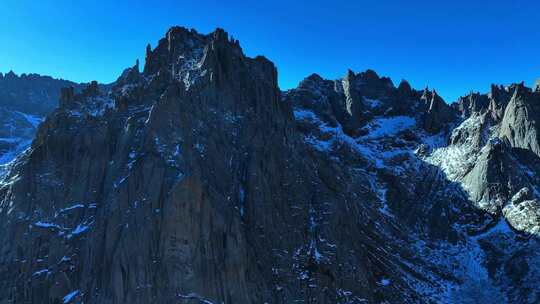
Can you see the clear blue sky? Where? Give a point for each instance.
(452, 46)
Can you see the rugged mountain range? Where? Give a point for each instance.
(198, 181)
(25, 100)
(31, 93)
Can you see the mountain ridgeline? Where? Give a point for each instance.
(198, 181)
(25, 100)
(31, 93)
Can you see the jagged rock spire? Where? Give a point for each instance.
(520, 121)
(351, 99)
(438, 113)
(91, 90)
(354, 105)
(66, 96)
(473, 103)
(537, 85)
(147, 58)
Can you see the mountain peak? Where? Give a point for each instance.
(185, 55)
(175, 46)
(10, 75)
(314, 77)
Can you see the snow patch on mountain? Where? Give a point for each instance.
(70, 296)
(388, 126)
(524, 216)
(32, 119)
(20, 146)
(187, 68)
(369, 146)
(16, 135)
(94, 107)
(457, 159)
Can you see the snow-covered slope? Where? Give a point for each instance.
(16, 134)
(463, 184)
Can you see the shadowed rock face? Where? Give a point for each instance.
(472, 103)
(438, 114)
(198, 181)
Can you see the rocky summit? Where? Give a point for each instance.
(198, 181)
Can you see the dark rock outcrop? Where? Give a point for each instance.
(438, 114)
(474, 103)
(499, 97)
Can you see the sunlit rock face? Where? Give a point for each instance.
(196, 180)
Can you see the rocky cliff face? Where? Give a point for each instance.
(198, 181)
